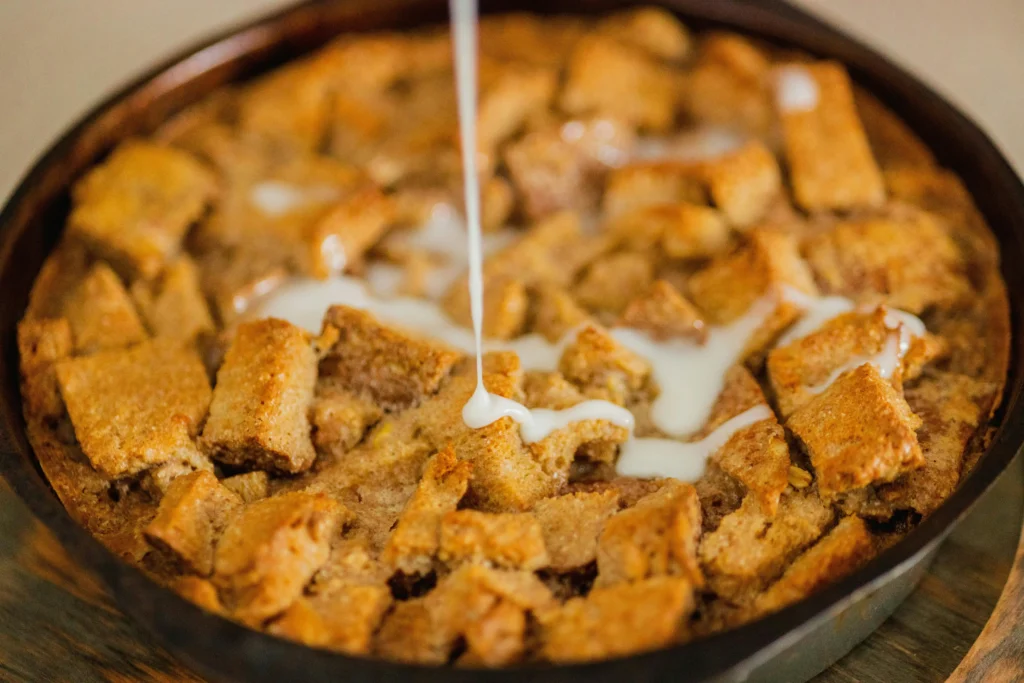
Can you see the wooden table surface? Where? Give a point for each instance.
(58, 624)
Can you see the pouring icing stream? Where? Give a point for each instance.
(483, 407)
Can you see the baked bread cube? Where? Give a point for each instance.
(601, 367)
(551, 251)
(652, 183)
(358, 124)
(343, 235)
(752, 280)
(842, 550)
(756, 456)
(497, 638)
(101, 314)
(192, 515)
(343, 619)
(612, 281)
(157, 480)
(728, 86)
(617, 620)
(664, 313)
(556, 169)
(657, 536)
(509, 540)
(951, 408)
(250, 486)
(268, 552)
(174, 305)
(394, 369)
(506, 477)
(287, 111)
(570, 525)
(608, 77)
(802, 369)
(883, 257)
(340, 417)
(653, 29)
(464, 603)
(414, 542)
(135, 208)
(514, 95)
(283, 202)
(744, 183)
(264, 389)
(506, 304)
(858, 431)
(557, 451)
(830, 162)
(41, 343)
(556, 313)
(681, 230)
(751, 548)
(135, 408)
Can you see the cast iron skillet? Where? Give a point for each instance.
(792, 644)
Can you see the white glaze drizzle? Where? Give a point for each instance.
(679, 460)
(276, 198)
(816, 311)
(483, 407)
(795, 89)
(303, 301)
(441, 235)
(691, 375)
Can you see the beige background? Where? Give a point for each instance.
(58, 57)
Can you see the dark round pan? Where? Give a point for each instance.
(793, 644)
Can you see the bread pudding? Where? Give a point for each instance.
(758, 330)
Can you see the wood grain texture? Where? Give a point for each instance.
(58, 624)
(998, 653)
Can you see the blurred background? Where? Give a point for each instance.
(59, 57)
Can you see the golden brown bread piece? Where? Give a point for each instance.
(508, 540)
(830, 161)
(858, 431)
(268, 552)
(417, 536)
(174, 305)
(654, 537)
(259, 414)
(344, 619)
(136, 207)
(571, 524)
(391, 367)
(101, 314)
(617, 620)
(192, 515)
(135, 408)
